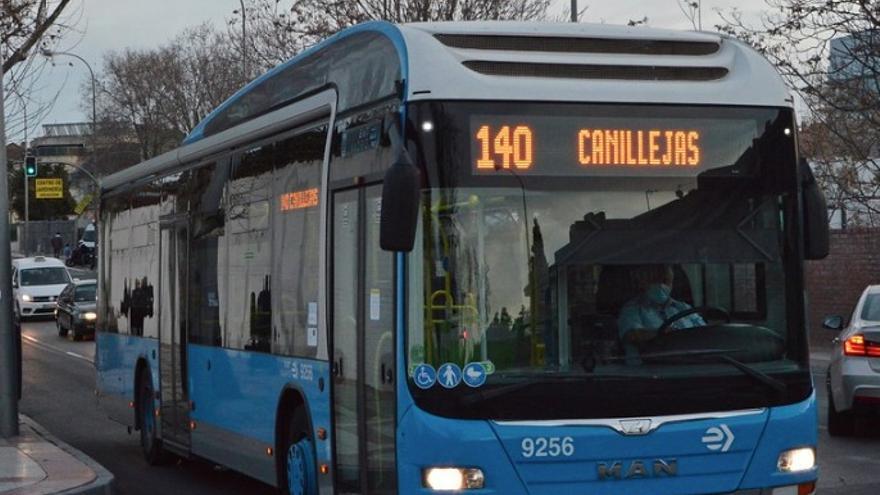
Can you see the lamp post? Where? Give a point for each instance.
(49, 53)
(700, 15)
(244, 61)
(10, 340)
(24, 238)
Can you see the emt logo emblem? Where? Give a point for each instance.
(718, 438)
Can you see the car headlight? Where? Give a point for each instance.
(795, 460)
(452, 478)
(90, 316)
(26, 298)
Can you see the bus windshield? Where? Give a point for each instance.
(578, 261)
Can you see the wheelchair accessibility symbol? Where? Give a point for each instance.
(424, 376)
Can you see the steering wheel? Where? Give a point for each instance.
(664, 327)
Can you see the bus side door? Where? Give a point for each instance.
(173, 290)
(362, 334)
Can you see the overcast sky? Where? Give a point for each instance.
(108, 25)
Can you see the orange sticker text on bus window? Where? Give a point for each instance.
(298, 200)
(648, 147)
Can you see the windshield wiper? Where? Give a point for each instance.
(484, 394)
(722, 355)
(525, 380)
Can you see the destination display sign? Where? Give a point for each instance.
(569, 145)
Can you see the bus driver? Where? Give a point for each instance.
(641, 316)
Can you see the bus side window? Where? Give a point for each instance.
(247, 218)
(207, 221)
(295, 203)
(114, 305)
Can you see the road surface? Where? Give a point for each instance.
(59, 384)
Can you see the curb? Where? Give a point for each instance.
(103, 482)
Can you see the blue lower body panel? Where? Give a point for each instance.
(235, 396)
(116, 361)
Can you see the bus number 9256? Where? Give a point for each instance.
(547, 447)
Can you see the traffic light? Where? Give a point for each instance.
(30, 166)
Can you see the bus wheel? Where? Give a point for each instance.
(151, 444)
(300, 465)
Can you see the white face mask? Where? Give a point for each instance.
(658, 293)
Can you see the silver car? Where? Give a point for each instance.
(854, 373)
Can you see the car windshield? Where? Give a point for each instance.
(603, 295)
(85, 293)
(89, 235)
(44, 276)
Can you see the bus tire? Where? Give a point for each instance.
(151, 444)
(300, 469)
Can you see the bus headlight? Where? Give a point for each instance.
(795, 460)
(90, 316)
(450, 478)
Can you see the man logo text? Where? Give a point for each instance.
(637, 469)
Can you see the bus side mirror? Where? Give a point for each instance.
(400, 205)
(816, 236)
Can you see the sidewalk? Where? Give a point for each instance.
(36, 463)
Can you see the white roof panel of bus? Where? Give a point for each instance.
(436, 71)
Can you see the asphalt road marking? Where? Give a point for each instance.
(37, 343)
(79, 356)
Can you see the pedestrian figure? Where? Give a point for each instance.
(57, 243)
(449, 376)
(67, 251)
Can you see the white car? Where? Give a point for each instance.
(36, 284)
(89, 236)
(854, 373)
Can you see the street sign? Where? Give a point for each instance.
(50, 188)
(83, 204)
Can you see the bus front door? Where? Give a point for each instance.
(362, 335)
(173, 280)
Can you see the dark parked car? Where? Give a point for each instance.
(76, 309)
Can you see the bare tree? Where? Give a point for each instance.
(155, 97)
(565, 14)
(691, 11)
(829, 50)
(279, 29)
(26, 26)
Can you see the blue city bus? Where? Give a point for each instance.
(497, 258)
